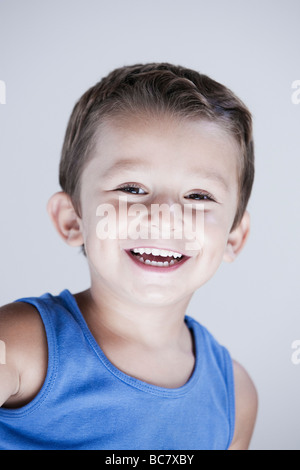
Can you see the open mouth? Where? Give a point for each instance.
(156, 257)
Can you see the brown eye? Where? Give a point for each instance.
(132, 189)
(201, 197)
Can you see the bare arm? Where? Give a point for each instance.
(9, 383)
(246, 408)
(24, 364)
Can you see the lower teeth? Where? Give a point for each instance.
(163, 264)
(157, 263)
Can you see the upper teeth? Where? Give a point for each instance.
(157, 252)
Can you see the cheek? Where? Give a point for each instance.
(215, 236)
(113, 221)
(102, 228)
(95, 230)
(214, 244)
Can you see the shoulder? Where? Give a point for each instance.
(246, 405)
(23, 334)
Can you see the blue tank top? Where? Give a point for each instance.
(87, 403)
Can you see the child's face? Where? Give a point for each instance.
(158, 162)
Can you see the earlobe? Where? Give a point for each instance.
(237, 239)
(65, 219)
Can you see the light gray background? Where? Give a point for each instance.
(51, 51)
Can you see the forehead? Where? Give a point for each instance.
(134, 144)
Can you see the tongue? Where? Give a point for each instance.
(157, 258)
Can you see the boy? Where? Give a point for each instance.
(121, 365)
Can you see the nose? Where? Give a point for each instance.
(164, 217)
(171, 219)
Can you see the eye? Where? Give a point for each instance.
(132, 189)
(201, 196)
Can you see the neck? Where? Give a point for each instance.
(111, 319)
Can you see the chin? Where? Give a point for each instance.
(156, 296)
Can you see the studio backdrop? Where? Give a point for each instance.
(52, 51)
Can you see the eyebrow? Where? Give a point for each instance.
(211, 175)
(135, 164)
(125, 165)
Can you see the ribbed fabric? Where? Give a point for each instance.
(87, 403)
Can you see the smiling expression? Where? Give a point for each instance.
(159, 162)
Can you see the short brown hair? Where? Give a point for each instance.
(155, 87)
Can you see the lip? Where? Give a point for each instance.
(157, 269)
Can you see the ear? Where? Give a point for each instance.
(237, 239)
(65, 219)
